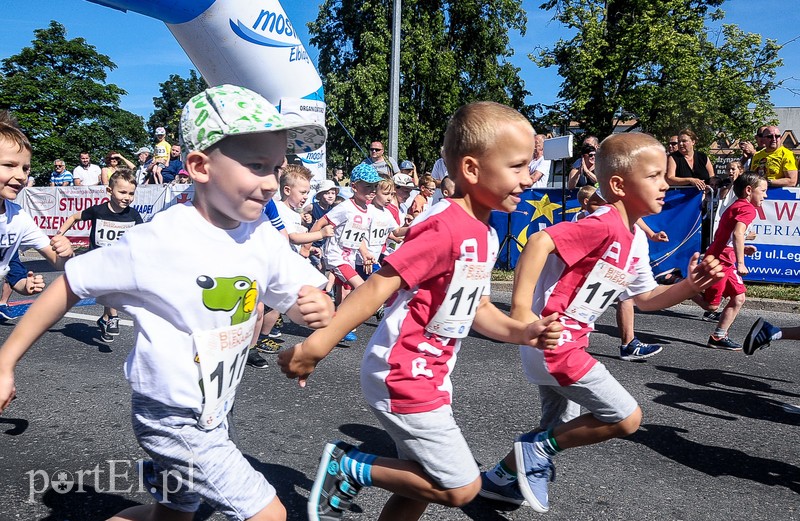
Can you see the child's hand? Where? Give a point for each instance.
(306, 217)
(61, 246)
(34, 284)
(750, 236)
(749, 249)
(704, 274)
(327, 230)
(315, 306)
(741, 269)
(544, 333)
(368, 262)
(294, 364)
(7, 390)
(660, 237)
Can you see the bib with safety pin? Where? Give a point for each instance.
(107, 233)
(356, 229)
(600, 289)
(454, 317)
(223, 354)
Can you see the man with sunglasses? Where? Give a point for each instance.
(383, 163)
(60, 175)
(775, 162)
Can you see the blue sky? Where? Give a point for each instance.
(146, 52)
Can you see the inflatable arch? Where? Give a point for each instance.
(247, 43)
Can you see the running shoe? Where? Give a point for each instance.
(637, 350)
(711, 316)
(333, 491)
(508, 493)
(5, 312)
(255, 360)
(759, 337)
(265, 344)
(379, 313)
(534, 472)
(112, 326)
(724, 344)
(350, 337)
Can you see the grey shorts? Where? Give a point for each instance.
(190, 465)
(598, 392)
(433, 440)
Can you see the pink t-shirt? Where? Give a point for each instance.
(406, 369)
(597, 260)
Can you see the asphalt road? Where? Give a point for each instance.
(717, 441)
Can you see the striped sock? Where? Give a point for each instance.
(546, 444)
(358, 465)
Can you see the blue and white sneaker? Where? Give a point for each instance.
(534, 472)
(759, 337)
(637, 350)
(350, 337)
(5, 312)
(333, 491)
(508, 493)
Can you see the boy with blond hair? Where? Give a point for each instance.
(441, 293)
(575, 271)
(195, 315)
(295, 185)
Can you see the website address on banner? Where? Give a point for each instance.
(789, 272)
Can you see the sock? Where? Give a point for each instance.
(358, 465)
(778, 335)
(720, 333)
(501, 475)
(546, 444)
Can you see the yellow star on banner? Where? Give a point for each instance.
(544, 208)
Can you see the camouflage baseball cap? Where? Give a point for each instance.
(226, 110)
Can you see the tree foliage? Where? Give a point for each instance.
(657, 61)
(451, 53)
(175, 92)
(58, 92)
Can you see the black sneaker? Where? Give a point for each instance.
(265, 344)
(379, 313)
(759, 337)
(724, 343)
(711, 316)
(112, 326)
(105, 337)
(333, 491)
(255, 360)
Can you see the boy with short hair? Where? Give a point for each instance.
(295, 184)
(109, 222)
(441, 279)
(577, 270)
(195, 316)
(728, 245)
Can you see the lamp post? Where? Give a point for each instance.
(394, 81)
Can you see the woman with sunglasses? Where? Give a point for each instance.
(583, 174)
(427, 187)
(113, 161)
(687, 166)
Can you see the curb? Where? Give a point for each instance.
(757, 304)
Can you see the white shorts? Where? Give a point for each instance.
(433, 440)
(191, 465)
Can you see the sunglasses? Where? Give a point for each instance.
(59, 166)
(770, 136)
(673, 143)
(376, 150)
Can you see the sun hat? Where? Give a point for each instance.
(144, 150)
(161, 132)
(326, 185)
(406, 165)
(226, 110)
(364, 172)
(403, 181)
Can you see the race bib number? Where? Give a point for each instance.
(454, 317)
(600, 289)
(355, 230)
(222, 353)
(107, 233)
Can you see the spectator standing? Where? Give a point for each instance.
(60, 175)
(175, 165)
(583, 174)
(672, 145)
(539, 167)
(410, 169)
(161, 156)
(383, 163)
(86, 174)
(112, 161)
(438, 172)
(687, 166)
(775, 162)
(748, 151)
(142, 169)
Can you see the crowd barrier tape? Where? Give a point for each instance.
(777, 228)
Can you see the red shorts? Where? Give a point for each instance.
(728, 286)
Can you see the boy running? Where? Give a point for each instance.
(109, 222)
(441, 281)
(577, 270)
(195, 315)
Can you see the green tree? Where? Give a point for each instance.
(451, 53)
(57, 90)
(175, 92)
(658, 62)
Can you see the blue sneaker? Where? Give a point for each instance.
(759, 337)
(350, 337)
(333, 491)
(534, 473)
(5, 312)
(508, 493)
(637, 350)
